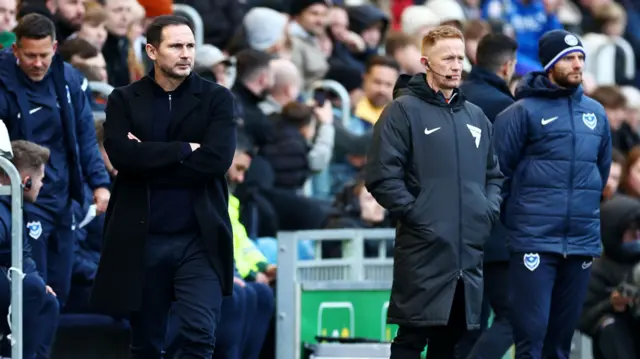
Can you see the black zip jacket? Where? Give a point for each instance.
(432, 165)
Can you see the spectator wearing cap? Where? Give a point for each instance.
(554, 148)
(213, 65)
(309, 19)
(529, 20)
(417, 20)
(266, 30)
(219, 17)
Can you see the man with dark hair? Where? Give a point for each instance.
(487, 87)
(42, 100)
(40, 307)
(254, 79)
(380, 76)
(554, 147)
(171, 136)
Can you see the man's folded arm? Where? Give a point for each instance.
(213, 159)
(129, 155)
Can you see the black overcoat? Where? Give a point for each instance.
(202, 114)
(432, 165)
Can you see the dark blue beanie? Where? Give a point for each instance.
(556, 44)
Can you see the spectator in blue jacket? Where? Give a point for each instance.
(554, 147)
(487, 86)
(40, 307)
(42, 101)
(529, 20)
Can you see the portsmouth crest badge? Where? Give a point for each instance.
(531, 261)
(35, 229)
(590, 120)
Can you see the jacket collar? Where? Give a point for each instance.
(481, 75)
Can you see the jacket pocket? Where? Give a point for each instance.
(418, 214)
(477, 213)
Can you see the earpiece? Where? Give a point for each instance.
(28, 184)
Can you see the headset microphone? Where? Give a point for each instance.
(448, 77)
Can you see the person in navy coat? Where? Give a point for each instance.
(554, 148)
(487, 87)
(40, 308)
(42, 100)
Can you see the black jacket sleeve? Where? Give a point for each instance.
(387, 159)
(213, 159)
(129, 155)
(597, 303)
(494, 177)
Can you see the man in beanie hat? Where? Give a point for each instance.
(554, 147)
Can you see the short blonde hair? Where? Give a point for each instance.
(439, 33)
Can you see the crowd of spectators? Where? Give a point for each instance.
(303, 146)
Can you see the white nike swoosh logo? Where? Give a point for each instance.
(430, 131)
(549, 120)
(35, 110)
(586, 265)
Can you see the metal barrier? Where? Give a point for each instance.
(17, 243)
(351, 285)
(102, 88)
(324, 274)
(195, 18)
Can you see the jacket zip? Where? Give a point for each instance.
(169, 103)
(455, 132)
(565, 243)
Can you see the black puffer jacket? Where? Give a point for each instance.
(432, 166)
(287, 154)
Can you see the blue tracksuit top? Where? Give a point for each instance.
(28, 265)
(554, 148)
(54, 113)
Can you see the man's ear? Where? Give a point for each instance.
(151, 51)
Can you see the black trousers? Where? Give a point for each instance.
(493, 342)
(410, 341)
(618, 338)
(177, 269)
